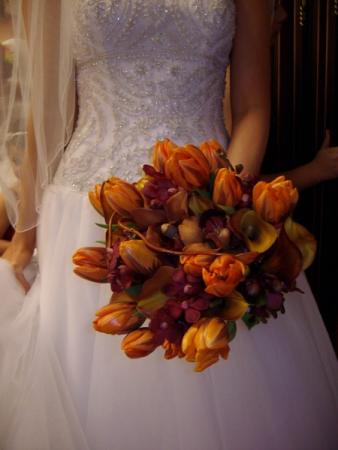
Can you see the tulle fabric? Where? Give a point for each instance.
(71, 388)
(37, 110)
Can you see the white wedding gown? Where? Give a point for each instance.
(148, 70)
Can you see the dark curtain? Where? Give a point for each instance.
(305, 102)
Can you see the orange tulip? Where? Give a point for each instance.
(188, 167)
(118, 318)
(223, 275)
(91, 264)
(275, 200)
(193, 264)
(205, 341)
(137, 256)
(172, 350)
(214, 153)
(139, 343)
(227, 188)
(162, 151)
(121, 196)
(94, 198)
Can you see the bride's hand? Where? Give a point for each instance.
(19, 254)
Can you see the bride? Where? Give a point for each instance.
(103, 80)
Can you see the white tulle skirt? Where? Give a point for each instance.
(65, 387)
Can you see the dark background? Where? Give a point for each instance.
(305, 102)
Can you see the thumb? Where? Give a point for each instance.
(326, 141)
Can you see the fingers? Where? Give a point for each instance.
(22, 280)
(327, 139)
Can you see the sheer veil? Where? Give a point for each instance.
(39, 95)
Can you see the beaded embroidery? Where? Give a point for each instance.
(147, 70)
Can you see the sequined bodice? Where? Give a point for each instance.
(146, 70)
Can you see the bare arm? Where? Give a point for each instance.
(250, 84)
(21, 248)
(323, 167)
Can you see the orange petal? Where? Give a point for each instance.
(177, 206)
(138, 257)
(205, 359)
(286, 259)
(190, 231)
(216, 334)
(259, 235)
(151, 297)
(235, 306)
(304, 240)
(145, 217)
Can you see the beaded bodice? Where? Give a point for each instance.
(146, 70)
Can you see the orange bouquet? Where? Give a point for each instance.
(190, 249)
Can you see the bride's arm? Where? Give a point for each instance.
(21, 248)
(250, 84)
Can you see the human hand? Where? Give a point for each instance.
(326, 160)
(19, 253)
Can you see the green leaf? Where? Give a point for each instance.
(232, 330)
(114, 226)
(134, 290)
(260, 300)
(229, 210)
(100, 242)
(250, 320)
(203, 193)
(212, 179)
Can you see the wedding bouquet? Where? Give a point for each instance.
(191, 248)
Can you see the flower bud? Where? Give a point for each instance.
(162, 151)
(139, 343)
(138, 257)
(227, 188)
(91, 264)
(121, 196)
(188, 167)
(213, 152)
(275, 200)
(223, 275)
(118, 318)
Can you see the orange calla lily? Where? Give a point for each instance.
(275, 200)
(151, 297)
(223, 275)
(286, 259)
(162, 151)
(189, 230)
(188, 167)
(139, 343)
(303, 239)
(258, 235)
(235, 306)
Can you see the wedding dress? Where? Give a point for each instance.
(147, 70)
